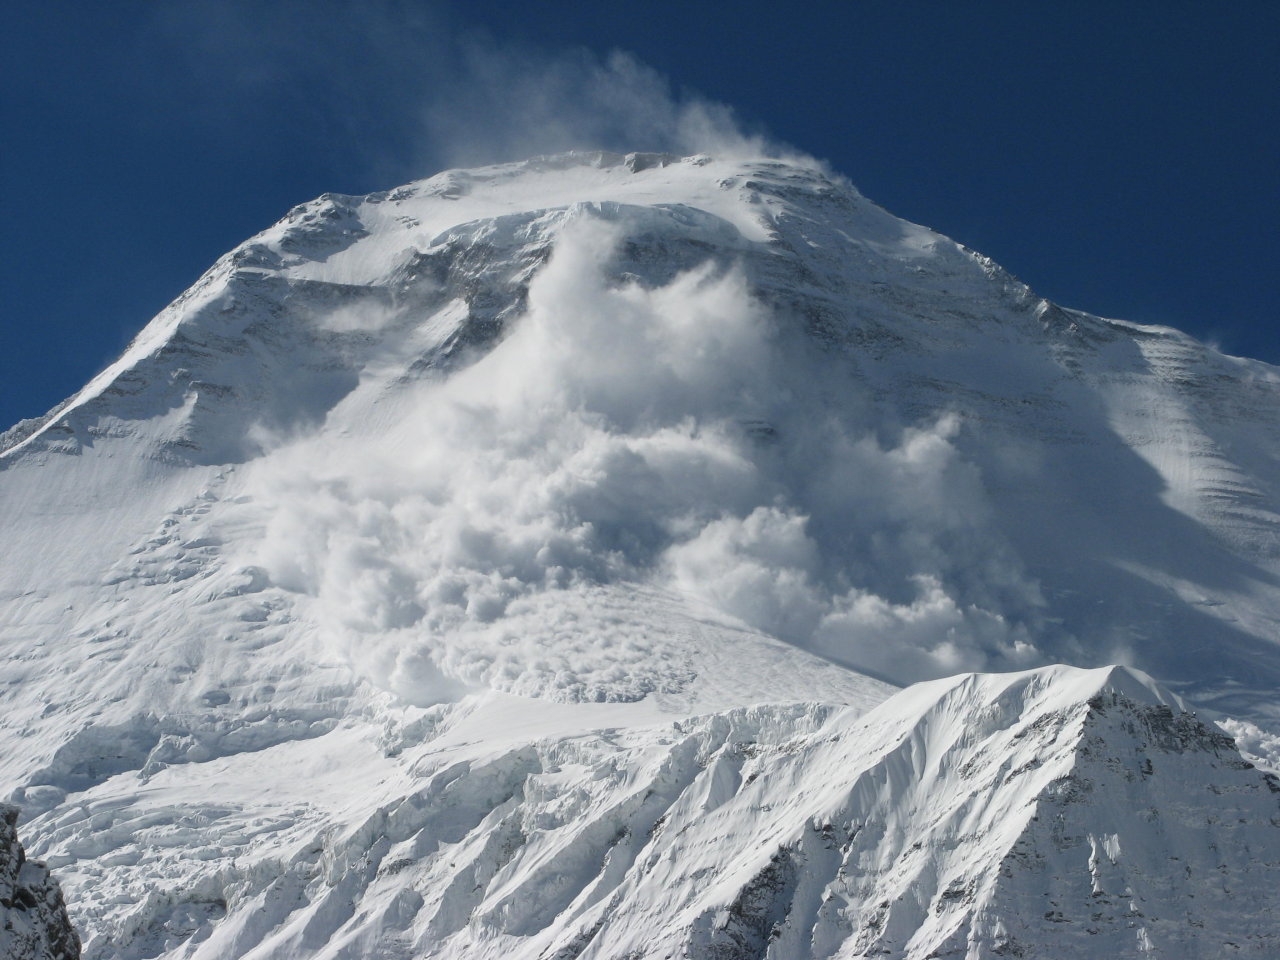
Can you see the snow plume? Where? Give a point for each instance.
(516, 103)
(410, 88)
(664, 437)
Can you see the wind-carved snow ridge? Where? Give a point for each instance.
(524, 562)
(1080, 813)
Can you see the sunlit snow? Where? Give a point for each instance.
(526, 562)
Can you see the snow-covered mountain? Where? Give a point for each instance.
(527, 561)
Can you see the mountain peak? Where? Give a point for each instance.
(546, 534)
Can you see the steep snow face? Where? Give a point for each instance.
(411, 430)
(1058, 812)
(348, 555)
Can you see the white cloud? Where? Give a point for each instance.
(930, 636)
(758, 568)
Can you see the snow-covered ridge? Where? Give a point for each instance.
(1075, 811)
(501, 521)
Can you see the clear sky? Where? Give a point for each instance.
(1121, 158)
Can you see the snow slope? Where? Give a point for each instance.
(408, 578)
(1057, 812)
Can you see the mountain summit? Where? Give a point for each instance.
(527, 562)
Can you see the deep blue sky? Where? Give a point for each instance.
(1120, 158)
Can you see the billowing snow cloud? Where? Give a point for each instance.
(516, 103)
(672, 437)
(408, 89)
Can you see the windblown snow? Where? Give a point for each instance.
(526, 562)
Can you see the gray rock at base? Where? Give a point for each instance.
(33, 918)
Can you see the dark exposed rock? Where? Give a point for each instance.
(33, 918)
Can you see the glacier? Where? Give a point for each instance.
(635, 555)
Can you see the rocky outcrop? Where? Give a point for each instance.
(33, 919)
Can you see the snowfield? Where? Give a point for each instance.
(639, 556)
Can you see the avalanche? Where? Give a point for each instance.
(528, 562)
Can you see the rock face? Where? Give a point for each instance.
(33, 919)
(1129, 853)
(529, 562)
